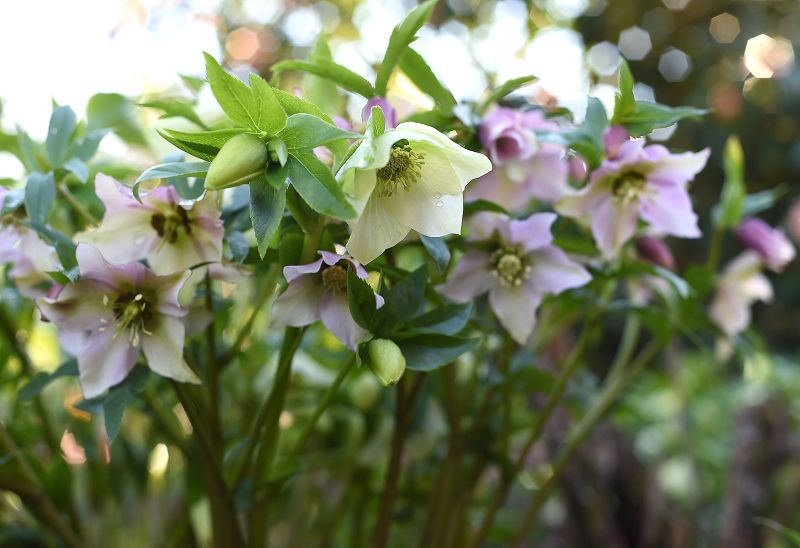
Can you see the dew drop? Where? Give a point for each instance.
(440, 204)
(436, 196)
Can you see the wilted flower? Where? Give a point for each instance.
(772, 245)
(740, 285)
(317, 291)
(518, 269)
(389, 113)
(408, 178)
(524, 167)
(637, 182)
(123, 311)
(171, 233)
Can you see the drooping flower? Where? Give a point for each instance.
(318, 291)
(408, 178)
(172, 234)
(123, 311)
(740, 285)
(524, 167)
(637, 182)
(772, 245)
(520, 266)
(389, 113)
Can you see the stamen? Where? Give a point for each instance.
(133, 316)
(628, 186)
(403, 169)
(334, 278)
(510, 266)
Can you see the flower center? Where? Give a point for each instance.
(401, 171)
(167, 225)
(628, 186)
(132, 313)
(510, 266)
(334, 278)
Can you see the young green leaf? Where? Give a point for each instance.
(237, 100)
(267, 206)
(204, 145)
(448, 319)
(325, 68)
(648, 116)
(171, 169)
(315, 183)
(624, 102)
(731, 203)
(402, 35)
(304, 131)
(504, 89)
(270, 116)
(418, 71)
(62, 124)
(588, 139)
(174, 107)
(40, 196)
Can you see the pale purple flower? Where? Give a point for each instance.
(637, 182)
(172, 234)
(389, 113)
(740, 285)
(772, 245)
(524, 167)
(520, 266)
(30, 259)
(318, 291)
(123, 311)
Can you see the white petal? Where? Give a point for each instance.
(164, 350)
(299, 304)
(515, 307)
(373, 232)
(105, 361)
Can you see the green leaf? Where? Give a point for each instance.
(307, 131)
(325, 68)
(40, 196)
(76, 166)
(477, 206)
(624, 102)
(86, 147)
(437, 249)
(728, 213)
(267, 205)
(504, 89)
(64, 246)
(648, 116)
(270, 115)
(204, 145)
(587, 140)
(242, 104)
(12, 199)
(174, 107)
(119, 397)
(193, 83)
(402, 35)
(115, 112)
(418, 71)
(759, 201)
(321, 91)
(171, 169)
(789, 534)
(376, 124)
(361, 301)
(40, 381)
(315, 183)
(62, 124)
(448, 319)
(403, 301)
(429, 352)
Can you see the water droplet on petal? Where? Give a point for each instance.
(436, 196)
(440, 204)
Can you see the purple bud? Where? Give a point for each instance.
(578, 169)
(613, 138)
(774, 248)
(655, 251)
(504, 135)
(389, 113)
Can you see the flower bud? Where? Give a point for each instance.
(774, 248)
(655, 251)
(242, 158)
(386, 361)
(278, 153)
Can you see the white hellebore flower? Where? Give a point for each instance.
(408, 178)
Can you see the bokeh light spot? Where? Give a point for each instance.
(634, 43)
(724, 28)
(676, 5)
(766, 56)
(603, 58)
(674, 65)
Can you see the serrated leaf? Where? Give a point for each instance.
(429, 352)
(171, 169)
(361, 301)
(402, 35)
(624, 102)
(237, 100)
(40, 381)
(648, 116)
(403, 301)
(437, 249)
(315, 183)
(325, 68)
(40, 196)
(303, 131)
(174, 107)
(419, 72)
(204, 145)
(62, 124)
(270, 115)
(505, 89)
(267, 206)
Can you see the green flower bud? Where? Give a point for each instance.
(278, 153)
(386, 361)
(242, 158)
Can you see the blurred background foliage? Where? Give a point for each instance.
(696, 452)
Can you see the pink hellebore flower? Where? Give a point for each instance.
(524, 167)
(740, 285)
(521, 266)
(123, 311)
(317, 291)
(171, 234)
(772, 245)
(637, 182)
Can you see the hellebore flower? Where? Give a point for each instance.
(774, 248)
(518, 269)
(170, 233)
(637, 182)
(317, 291)
(740, 285)
(524, 167)
(123, 311)
(408, 178)
(30, 258)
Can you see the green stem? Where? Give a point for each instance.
(213, 370)
(715, 249)
(73, 202)
(577, 435)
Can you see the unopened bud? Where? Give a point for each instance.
(655, 251)
(386, 360)
(774, 248)
(278, 153)
(242, 158)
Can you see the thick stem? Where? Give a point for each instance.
(577, 435)
(213, 371)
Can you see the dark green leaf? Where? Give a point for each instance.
(39, 381)
(504, 89)
(588, 139)
(477, 206)
(276, 175)
(62, 124)
(325, 68)
(40, 196)
(361, 300)
(402, 35)
(315, 183)
(240, 248)
(119, 397)
(204, 145)
(437, 249)
(174, 107)
(305, 131)
(418, 71)
(429, 352)
(448, 319)
(267, 206)
(403, 301)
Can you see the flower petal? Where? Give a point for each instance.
(335, 313)
(164, 350)
(515, 307)
(294, 271)
(105, 361)
(374, 231)
(552, 271)
(675, 169)
(78, 307)
(534, 232)
(668, 209)
(471, 278)
(613, 224)
(299, 304)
